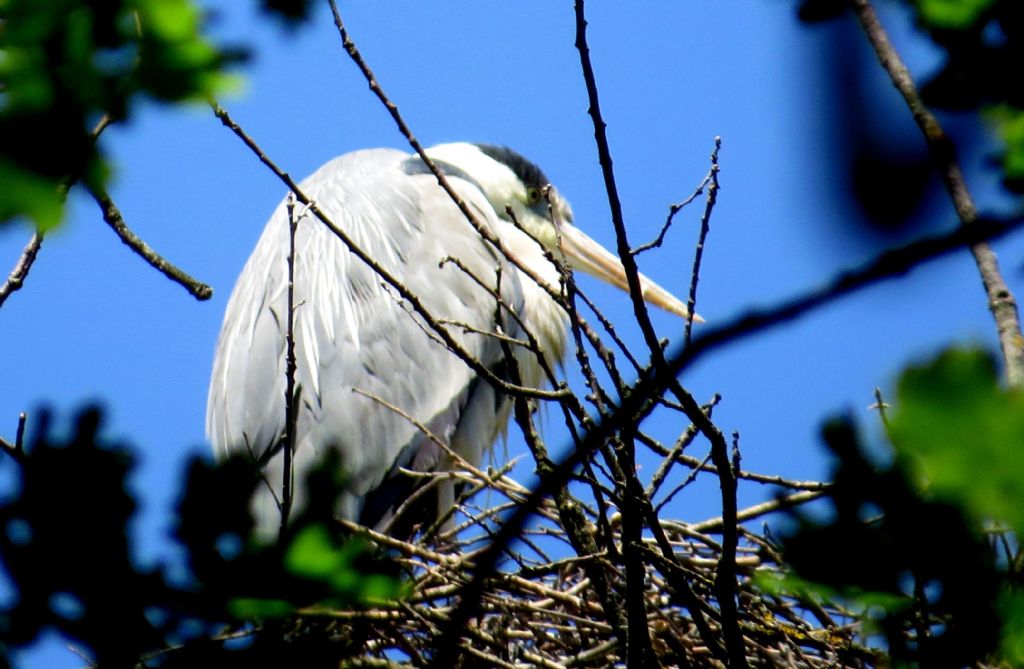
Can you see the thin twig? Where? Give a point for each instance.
(291, 400)
(16, 450)
(457, 459)
(705, 227)
(702, 465)
(629, 265)
(673, 209)
(442, 180)
(579, 535)
(758, 510)
(677, 450)
(881, 406)
(17, 277)
(19, 434)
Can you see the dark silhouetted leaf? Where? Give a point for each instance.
(956, 427)
(812, 11)
(292, 11)
(919, 562)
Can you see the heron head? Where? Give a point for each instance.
(511, 182)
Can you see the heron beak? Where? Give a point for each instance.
(584, 254)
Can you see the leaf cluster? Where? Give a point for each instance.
(912, 543)
(65, 64)
(65, 544)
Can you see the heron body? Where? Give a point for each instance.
(371, 372)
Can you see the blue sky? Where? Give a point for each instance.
(94, 323)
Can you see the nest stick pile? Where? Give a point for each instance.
(543, 608)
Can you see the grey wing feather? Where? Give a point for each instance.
(352, 332)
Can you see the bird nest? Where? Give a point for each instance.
(572, 591)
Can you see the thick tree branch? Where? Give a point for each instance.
(943, 155)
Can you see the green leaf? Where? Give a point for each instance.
(32, 195)
(962, 435)
(315, 554)
(1011, 606)
(952, 14)
(66, 63)
(1009, 122)
(381, 588)
(250, 608)
(857, 600)
(312, 554)
(169, 20)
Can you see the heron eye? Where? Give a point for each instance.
(533, 195)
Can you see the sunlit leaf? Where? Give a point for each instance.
(1009, 122)
(312, 554)
(66, 63)
(952, 14)
(962, 434)
(1011, 606)
(31, 195)
(381, 588)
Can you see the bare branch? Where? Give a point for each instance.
(112, 215)
(291, 395)
(16, 279)
(16, 451)
(672, 457)
(705, 227)
(943, 155)
(673, 209)
(485, 233)
(614, 205)
(758, 510)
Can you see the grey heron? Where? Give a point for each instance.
(353, 333)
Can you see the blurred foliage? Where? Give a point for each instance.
(954, 427)
(292, 11)
(66, 548)
(983, 44)
(926, 546)
(65, 64)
